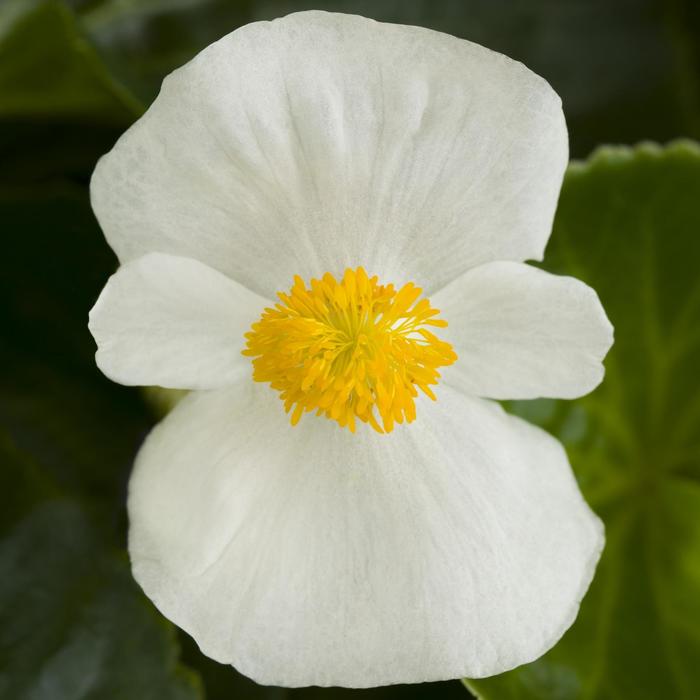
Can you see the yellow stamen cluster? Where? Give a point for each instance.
(345, 348)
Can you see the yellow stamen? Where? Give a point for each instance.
(346, 348)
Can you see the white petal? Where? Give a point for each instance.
(173, 322)
(458, 546)
(521, 333)
(320, 141)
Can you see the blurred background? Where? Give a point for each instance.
(75, 74)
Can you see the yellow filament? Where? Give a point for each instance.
(347, 348)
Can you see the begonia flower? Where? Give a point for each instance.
(339, 500)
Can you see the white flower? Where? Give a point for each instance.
(458, 545)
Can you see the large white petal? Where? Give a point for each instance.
(173, 322)
(521, 333)
(458, 546)
(320, 141)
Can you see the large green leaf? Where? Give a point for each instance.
(629, 224)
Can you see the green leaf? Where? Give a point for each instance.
(628, 223)
(49, 69)
(72, 622)
(60, 108)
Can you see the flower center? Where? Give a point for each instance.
(347, 348)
